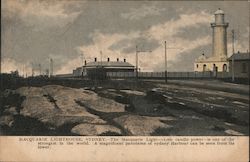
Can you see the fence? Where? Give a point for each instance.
(170, 75)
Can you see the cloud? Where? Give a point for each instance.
(123, 45)
(41, 14)
(143, 11)
(128, 45)
(33, 30)
(172, 27)
(9, 65)
(102, 42)
(157, 63)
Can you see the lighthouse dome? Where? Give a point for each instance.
(219, 11)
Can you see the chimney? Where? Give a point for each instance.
(117, 59)
(85, 62)
(124, 60)
(108, 59)
(95, 59)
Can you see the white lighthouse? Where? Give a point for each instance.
(218, 61)
(219, 35)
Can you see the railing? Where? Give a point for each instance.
(170, 75)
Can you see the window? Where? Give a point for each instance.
(244, 68)
(214, 67)
(224, 67)
(197, 65)
(204, 67)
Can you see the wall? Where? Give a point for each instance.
(238, 68)
(210, 65)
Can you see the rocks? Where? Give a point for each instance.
(101, 104)
(59, 110)
(91, 129)
(233, 132)
(55, 105)
(142, 125)
(139, 93)
(11, 111)
(6, 120)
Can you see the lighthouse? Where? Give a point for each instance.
(218, 61)
(219, 27)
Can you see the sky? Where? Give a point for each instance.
(33, 31)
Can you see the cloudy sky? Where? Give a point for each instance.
(35, 30)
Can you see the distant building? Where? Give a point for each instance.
(239, 64)
(101, 67)
(218, 61)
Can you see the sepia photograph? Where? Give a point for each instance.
(124, 68)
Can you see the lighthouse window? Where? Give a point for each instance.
(197, 65)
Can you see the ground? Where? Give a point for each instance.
(124, 108)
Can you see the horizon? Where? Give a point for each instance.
(35, 31)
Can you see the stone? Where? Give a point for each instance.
(6, 120)
(233, 132)
(142, 125)
(55, 105)
(133, 92)
(93, 129)
(11, 111)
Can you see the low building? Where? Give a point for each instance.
(100, 68)
(212, 64)
(239, 65)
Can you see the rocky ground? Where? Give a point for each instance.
(158, 109)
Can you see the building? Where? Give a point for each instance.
(218, 62)
(239, 65)
(100, 68)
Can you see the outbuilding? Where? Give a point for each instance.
(239, 64)
(99, 69)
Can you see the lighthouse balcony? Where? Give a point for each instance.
(217, 24)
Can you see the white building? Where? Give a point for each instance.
(218, 61)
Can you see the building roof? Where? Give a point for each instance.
(201, 58)
(219, 11)
(240, 56)
(109, 64)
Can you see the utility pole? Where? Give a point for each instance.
(233, 56)
(101, 57)
(23, 70)
(166, 72)
(40, 69)
(26, 71)
(233, 41)
(137, 60)
(51, 67)
(82, 63)
(166, 61)
(32, 69)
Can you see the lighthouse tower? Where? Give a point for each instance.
(218, 61)
(219, 44)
